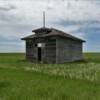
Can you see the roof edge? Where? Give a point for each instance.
(56, 30)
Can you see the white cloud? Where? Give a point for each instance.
(30, 11)
(18, 17)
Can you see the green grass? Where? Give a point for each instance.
(22, 80)
(92, 57)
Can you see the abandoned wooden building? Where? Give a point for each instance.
(49, 45)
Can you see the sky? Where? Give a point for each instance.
(18, 18)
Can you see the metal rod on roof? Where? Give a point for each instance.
(44, 19)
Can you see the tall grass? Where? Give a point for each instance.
(87, 70)
(22, 80)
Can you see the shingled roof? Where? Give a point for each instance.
(51, 32)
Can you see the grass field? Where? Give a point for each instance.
(22, 80)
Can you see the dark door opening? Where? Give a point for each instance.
(39, 54)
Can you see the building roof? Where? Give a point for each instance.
(51, 32)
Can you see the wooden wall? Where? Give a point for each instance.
(68, 50)
(56, 50)
(31, 51)
(50, 51)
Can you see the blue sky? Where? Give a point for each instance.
(80, 18)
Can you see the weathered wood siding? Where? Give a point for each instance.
(68, 50)
(56, 50)
(50, 51)
(31, 51)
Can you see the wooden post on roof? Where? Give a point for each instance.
(43, 19)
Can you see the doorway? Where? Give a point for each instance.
(39, 54)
